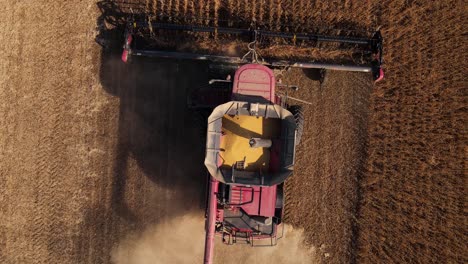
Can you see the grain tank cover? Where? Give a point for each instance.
(250, 143)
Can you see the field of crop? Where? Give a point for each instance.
(413, 195)
(100, 163)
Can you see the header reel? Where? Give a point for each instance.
(138, 33)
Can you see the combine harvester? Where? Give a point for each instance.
(251, 133)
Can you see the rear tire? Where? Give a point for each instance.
(298, 114)
(279, 197)
(287, 193)
(279, 204)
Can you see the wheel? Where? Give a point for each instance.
(317, 75)
(279, 197)
(323, 77)
(298, 114)
(279, 204)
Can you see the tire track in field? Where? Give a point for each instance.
(360, 97)
(347, 175)
(43, 200)
(52, 166)
(330, 162)
(7, 108)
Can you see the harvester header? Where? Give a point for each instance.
(137, 33)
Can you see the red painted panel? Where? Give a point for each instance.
(268, 201)
(262, 203)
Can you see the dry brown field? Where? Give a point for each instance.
(100, 162)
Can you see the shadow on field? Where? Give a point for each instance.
(155, 124)
(158, 170)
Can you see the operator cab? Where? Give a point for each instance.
(254, 83)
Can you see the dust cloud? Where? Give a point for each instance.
(181, 240)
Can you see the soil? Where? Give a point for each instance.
(93, 151)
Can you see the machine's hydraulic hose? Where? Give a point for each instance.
(211, 221)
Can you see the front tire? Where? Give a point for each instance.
(298, 113)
